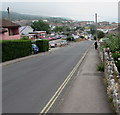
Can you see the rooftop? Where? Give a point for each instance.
(6, 23)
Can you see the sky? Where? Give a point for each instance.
(73, 9)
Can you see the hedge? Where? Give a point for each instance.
(12, 49)
(43, 45)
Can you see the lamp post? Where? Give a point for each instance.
(96, 25)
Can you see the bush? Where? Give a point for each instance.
(43, 45)
(82, 37)
(12, 49)
(24, 38)
(116, 55)
(100, 67)
(100, 34)
(70, 38)
(114, 44)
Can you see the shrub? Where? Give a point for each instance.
(116, 55)
(100, 34)
(43, 45)
(12, 49)
(24, 38)
(94, 37)
(113, 43)
(70, 38)
(100, 67)
(82, 37)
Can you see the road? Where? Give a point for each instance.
(28, 85)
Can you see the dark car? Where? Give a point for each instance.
(35, 48)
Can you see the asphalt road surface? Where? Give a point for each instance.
(28, 85)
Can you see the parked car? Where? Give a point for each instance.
(53, 38)
(49, 38)
(103, 40)
(58, 43)
(35, 48)
(52, 44)
(64, 42)
(57, 37)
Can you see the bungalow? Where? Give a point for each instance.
(9, 30)
(106, 29)
(24, 30)
(37, 35)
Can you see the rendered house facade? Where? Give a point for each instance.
(9, 30)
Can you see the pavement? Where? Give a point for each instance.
(87, 93)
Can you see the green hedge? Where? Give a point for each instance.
(12, 49)
(43, 45)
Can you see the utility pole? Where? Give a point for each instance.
(8, 10)
(96, 25)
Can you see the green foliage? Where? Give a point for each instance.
(67, 29)
(40, 26)
(100, 34)
(43, 45)
(66, 33)
(82, 37)
(70, 38)
(113, 43)
(116, 57)
(58, 29)
(100, 67)
(12, 49)
(94, 37)
(80, 28)
(24, 38)
(92, 29)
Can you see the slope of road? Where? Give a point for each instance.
(28, 85)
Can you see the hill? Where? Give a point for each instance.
(17, 16)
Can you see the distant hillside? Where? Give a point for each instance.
(17, 16)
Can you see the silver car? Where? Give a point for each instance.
(64, 42)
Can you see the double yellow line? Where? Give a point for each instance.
(60, 89)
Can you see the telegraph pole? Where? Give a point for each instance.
(8, 10)
(96, 24)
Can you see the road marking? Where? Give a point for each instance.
(60, 89)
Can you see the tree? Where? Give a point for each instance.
(100, 34)
(92, 29)
(58, 29)
(40, 26)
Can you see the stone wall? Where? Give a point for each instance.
(112, 77)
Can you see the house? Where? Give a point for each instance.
(84, 23)
(106, 29)
(24, 30)
(104, 23)
(37, 35)
(114, 24)
(9, 30)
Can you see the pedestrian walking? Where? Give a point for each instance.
(96, 45)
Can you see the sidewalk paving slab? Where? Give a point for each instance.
(87, 93)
